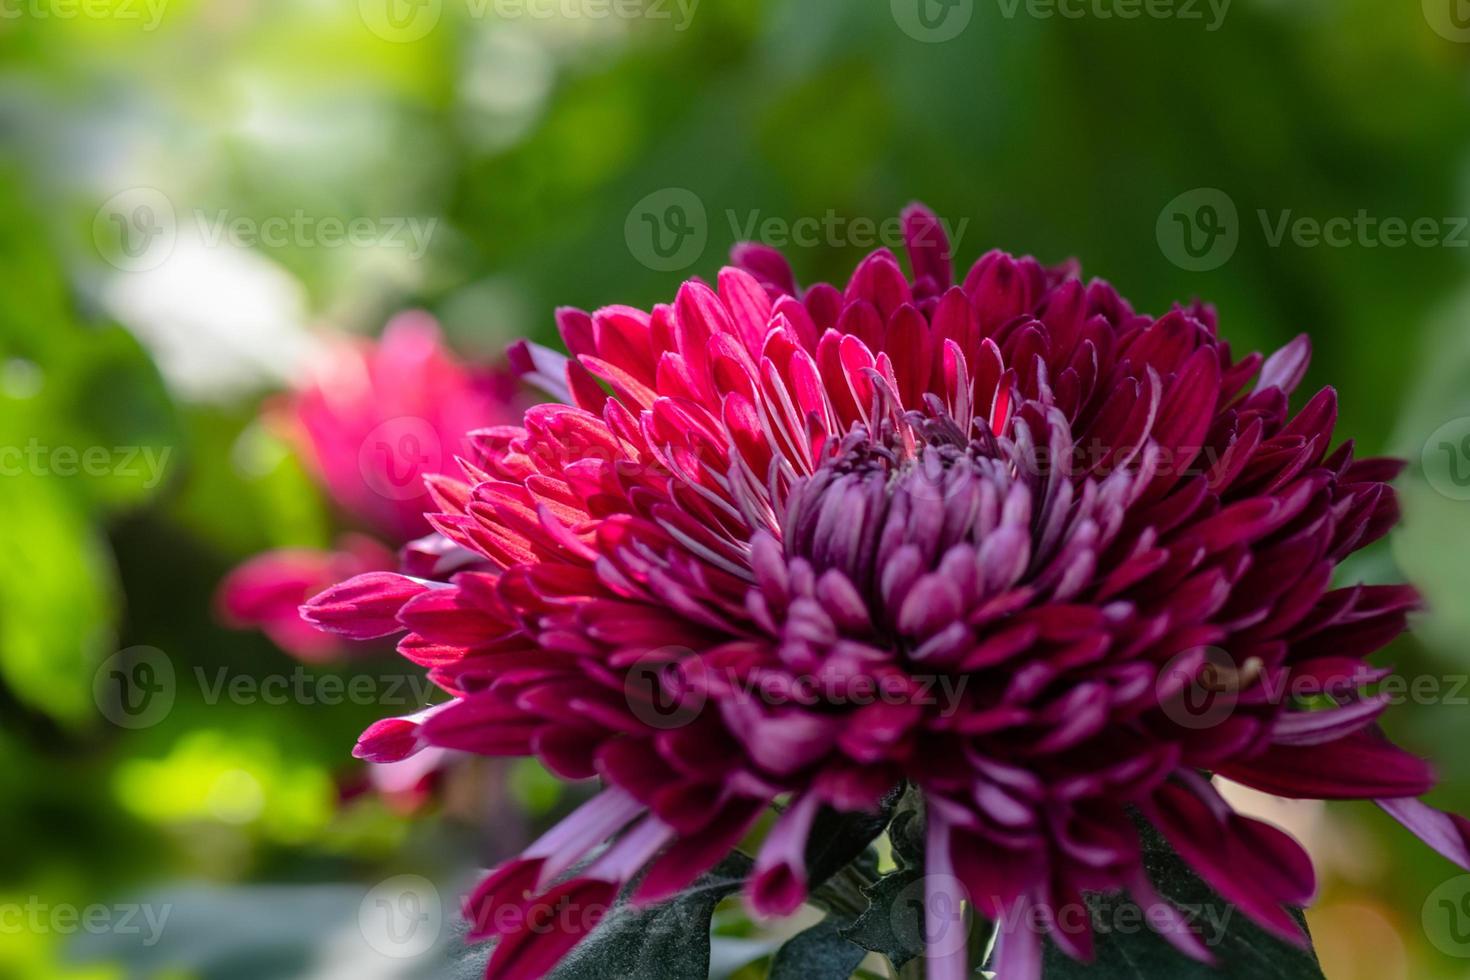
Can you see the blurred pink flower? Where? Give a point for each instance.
(371, 420)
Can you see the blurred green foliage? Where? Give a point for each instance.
(527, 141)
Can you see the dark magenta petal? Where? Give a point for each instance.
(1362, 766)
(1447, 833)
(551, 926)
(365, 607)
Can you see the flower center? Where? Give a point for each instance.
(918, 520)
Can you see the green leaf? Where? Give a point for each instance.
(57, 597)
(906, 832)
(838, 839)
(670, 941)
(892, 924)
(1128, 948)
(819, 953)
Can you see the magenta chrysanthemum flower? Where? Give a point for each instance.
(370, 422)
(986, 539)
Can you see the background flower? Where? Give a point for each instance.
(372, 420)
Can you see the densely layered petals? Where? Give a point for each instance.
(1000, 536)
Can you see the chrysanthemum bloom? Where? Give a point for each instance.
(1032, 520)
(371, 420)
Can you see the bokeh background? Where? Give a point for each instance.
(590, 152)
